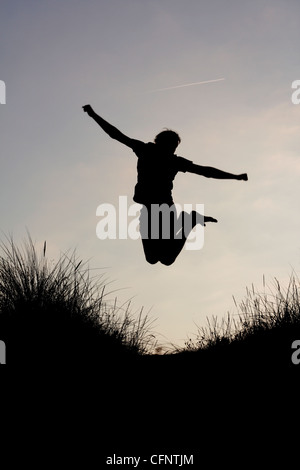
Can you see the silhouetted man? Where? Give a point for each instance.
(163, 232)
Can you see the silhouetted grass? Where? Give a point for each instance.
(55, 313)
(258, 337)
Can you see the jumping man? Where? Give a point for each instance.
(157, 167)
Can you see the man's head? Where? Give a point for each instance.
(167, 140)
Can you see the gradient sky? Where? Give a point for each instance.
(57, 166)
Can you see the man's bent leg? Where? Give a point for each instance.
(151, 247)
(181, 228)
(151, 250)
(171, 248)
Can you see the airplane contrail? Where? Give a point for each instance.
(187, 84)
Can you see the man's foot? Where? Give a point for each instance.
(209, 219)
(200, 219)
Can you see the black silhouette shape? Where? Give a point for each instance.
(163, 232)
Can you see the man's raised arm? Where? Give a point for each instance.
(112, 131)
(210, 172)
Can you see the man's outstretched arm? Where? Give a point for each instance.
(210, 172)
(112, 131)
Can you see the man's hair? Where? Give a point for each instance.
(167, 137)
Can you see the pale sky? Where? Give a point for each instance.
(57, 166)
